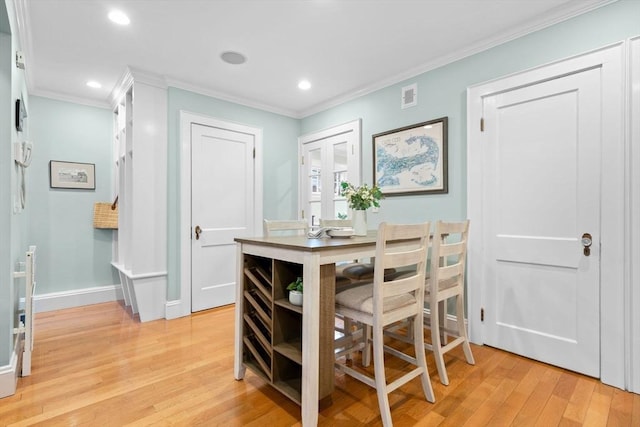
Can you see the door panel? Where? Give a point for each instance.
(542, 193)
(222, 206)
(327, 162)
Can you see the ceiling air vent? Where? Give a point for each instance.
(409, 96)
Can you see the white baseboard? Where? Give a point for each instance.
(9, 373)
(77, 297)
(173, 309)
(451, 321)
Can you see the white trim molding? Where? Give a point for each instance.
(77, 298)
(9, 373)
(633, 248)
(173, 309)
(186, 119)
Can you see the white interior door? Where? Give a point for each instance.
(222, 208)
(541, 192)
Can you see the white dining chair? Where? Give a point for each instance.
(385, 302)
(446, 281)
(273, 227)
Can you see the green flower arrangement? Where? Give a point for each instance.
(361, 198)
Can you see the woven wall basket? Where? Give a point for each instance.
(104, 216)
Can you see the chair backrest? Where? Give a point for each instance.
(284, 228)
(400, 246)
(448, 255)
(336, 223)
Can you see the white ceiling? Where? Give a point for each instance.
(344, 47)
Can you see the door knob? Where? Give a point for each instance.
(586, 243)
(198, 231)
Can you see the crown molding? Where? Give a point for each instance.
(58, 96)
(179, 84)
(128, 77)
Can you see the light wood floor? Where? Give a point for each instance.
(98, 366)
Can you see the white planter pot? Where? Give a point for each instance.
(295, 297)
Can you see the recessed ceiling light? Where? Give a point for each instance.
(119, 17)
(304, 85)
(234, 58)
(94, 84)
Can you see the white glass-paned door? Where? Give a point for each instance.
(328, 159)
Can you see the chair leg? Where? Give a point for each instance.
(348, 330)
(418, 343)
(366, 350)
(410, 329)
(381, 382)
(436, 344)
(442, 319)
(462, 330)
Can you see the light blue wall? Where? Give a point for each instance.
(442, 92)
(280, 136)
(71, 253)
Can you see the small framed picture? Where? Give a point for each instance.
(79, 176)
(412, 159)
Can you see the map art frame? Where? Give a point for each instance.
(412, 159)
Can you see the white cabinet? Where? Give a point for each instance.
(140, 161)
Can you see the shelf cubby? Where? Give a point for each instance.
(287, 377)
(287, 333)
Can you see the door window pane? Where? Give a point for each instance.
(315, 173)
(341, 209)
(315, 213)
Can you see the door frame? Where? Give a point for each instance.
(614, 282)
(186, 120)
(354, 127)
(634, 221)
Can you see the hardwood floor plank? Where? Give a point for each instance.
(534, 405)
(621, 411)
(518, 398)
(552, 412)
(580, 399)
(635, 412)
(99, 366)
(598, 411)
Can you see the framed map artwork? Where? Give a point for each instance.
(412, 159)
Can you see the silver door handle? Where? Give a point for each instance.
(587, 241)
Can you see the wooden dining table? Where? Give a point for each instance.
(317, 258)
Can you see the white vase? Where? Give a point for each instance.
(295, 297)
(359, 222)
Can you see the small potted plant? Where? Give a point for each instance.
(295, 291)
